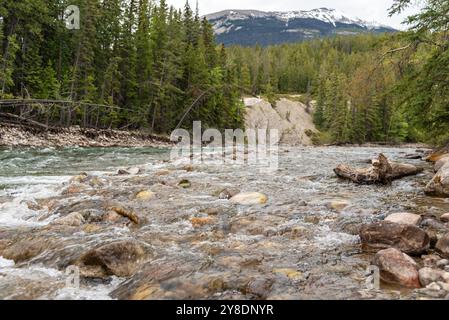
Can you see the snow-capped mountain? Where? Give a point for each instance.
(248, 27)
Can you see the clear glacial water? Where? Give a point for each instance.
(322, 261)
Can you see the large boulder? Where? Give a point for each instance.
(121, 259)
(442, 245)
(383, 235)
(397, 268)
(439, 185)
(404, 218)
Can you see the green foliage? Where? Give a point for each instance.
(150, 60)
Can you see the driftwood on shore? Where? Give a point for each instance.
(382, 171)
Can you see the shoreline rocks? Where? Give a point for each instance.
(442, 245)
(397, 268)
(439, 185)
(18, 136)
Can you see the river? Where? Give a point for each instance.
(296, 246)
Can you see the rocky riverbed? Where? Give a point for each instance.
(138, 226)
(18, 136)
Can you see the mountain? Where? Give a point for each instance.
(250, 27)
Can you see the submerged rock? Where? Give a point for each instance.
(199, 222)
(131, 215)
(442, 245)
(145, 195)
(338, 205)
(26, 249)
(74, 219)
(397, 268)
(184, 184)
(250, 198)
(406, 238)
(121, 259)
(404, 218)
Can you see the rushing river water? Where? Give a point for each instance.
(294, 246)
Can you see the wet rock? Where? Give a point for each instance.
(290, 273)
(112, 216)
(145, 195)
(260, 287)
(121, 259)
(338, 205)
(130, 171)
(74, 219)
(312, 220)
(302, 203)
(249, 198)
(406, 238)
(136, 171)
(397, 268)
(211, 211)
(445, 217)
(413, 156)
(163, 172)
(441, 162)
(91, 228)
(131, 215)
(434, 225)
(404, 218)
(188, 168)
(199, 222)
(74, 189)
(81, 178)
(439, 185)
(442, 263)
(228, 193)
(430, 260)
(444, 285)
(429, 275)
(26, 249)
(442, 245)
(184, 184)
(80, 206)
(92, 215)
(96, 182)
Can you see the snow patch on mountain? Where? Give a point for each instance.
(331, 16)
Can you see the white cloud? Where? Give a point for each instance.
(370, 10)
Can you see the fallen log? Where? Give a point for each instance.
(382, 171)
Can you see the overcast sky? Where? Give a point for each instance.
(371, 10)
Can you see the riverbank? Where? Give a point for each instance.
(18, 136)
